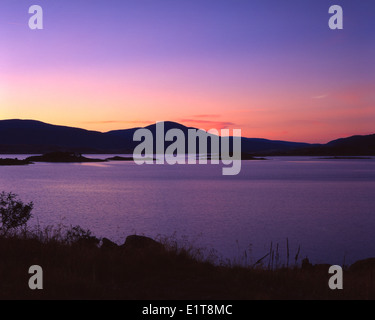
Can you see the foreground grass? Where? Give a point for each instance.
(79, 268)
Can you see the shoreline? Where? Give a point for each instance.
(78, 265)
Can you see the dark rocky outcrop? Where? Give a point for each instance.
(133, 242)
(363, 265)
(108, 244)
(141, 242)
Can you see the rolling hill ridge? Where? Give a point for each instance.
(35, 137)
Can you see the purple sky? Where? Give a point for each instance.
(272, 68)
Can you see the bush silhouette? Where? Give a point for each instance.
(77, 235)
(13, 212)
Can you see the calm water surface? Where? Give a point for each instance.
(324, 206)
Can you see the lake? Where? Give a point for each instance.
(325, 207)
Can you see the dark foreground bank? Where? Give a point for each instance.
(80, 266)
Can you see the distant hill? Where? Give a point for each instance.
(29, 136)
(248, 145)
(351, 146)
(256, 145)
(35, 137)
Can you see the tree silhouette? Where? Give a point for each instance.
(13, 212)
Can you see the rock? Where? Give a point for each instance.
(108, 244)
(141, 242)
(363, 265)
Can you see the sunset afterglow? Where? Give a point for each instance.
(274, 73)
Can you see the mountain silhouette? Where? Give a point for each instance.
(29, 136)
(248, 145)
(35, 137)
(350, 146)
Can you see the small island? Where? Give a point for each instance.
(14, 162)
(346, 158)
(117, 158)
(244, 156)
(62, 157)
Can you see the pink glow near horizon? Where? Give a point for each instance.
(120, 102)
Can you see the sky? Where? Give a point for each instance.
(272, 68)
